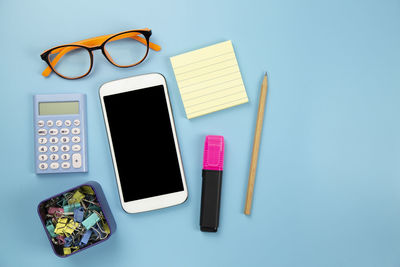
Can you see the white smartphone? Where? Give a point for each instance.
(143, 143)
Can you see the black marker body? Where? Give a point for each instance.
(210, 200)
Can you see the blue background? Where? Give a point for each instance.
(328, 182)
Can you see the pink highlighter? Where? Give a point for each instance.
(213, 163)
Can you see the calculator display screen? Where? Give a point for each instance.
(143, 142)
(58, 108)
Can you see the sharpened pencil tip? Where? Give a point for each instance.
(265, 74)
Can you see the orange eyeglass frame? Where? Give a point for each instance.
(94, 44)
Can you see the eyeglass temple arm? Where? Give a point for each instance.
(93, 42)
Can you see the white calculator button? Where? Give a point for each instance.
(76, 139)
(65, 165)
(40, 123)
(42, 140)
(53, 131)
(42, 132)
(53, 148)
(76, 148)
(64, 131)
(65, 148)
(76, 160)
(75, 131)
(59, 123)
(54, 157)
(50, 123)
(42, 149)
(53, 140)
(54, 165)
(43, 157)
(67, 123)
(64, 139)
(77, 122)
(65, 156)
(43, 166)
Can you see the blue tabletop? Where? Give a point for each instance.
(327, 189)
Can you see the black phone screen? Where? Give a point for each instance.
(143, 142)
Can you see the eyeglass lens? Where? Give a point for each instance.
(73, 61)
(126, 49)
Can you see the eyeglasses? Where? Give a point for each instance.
(75, 60)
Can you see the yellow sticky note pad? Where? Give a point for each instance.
(209, 79)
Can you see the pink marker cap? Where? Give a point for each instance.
(213, 153)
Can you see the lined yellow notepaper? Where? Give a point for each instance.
(209, 79)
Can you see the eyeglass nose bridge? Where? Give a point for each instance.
(100, 47)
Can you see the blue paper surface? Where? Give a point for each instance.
(327, 190)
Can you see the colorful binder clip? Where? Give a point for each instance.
(90, 221)
(67, 251)
(71, 207)
(76, 198)
(85, 238)
(68, 241)
(50, 228)
(62, 222)
(78, 214)
(70, 227)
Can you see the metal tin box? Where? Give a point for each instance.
(108, 218)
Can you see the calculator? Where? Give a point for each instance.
(60, 133)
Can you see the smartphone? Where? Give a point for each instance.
(143, 143)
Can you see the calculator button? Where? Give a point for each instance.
(65, 156)
(40, 123)
(54, 157)
(64, 139)
(53, 140)
(42, 140)
(64, 131)
(76, 148)
(42, 149)
(75, 131)
(59, 123)
(65, 165)
(76, 160)
(54, 165)
(43, 166)
(53, 131)
(42, 132)
(50, 123)
(77, 122)
(53, 148)
(65, 148)
(67, 123)
(76, 139)
(43, 157)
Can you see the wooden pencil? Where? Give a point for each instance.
(256, 145)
